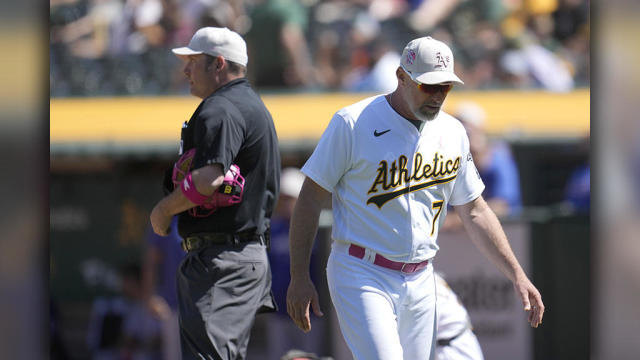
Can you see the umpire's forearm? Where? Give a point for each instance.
(206, 179)
(174, 203)
(302, 232)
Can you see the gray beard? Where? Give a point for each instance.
(425, 117)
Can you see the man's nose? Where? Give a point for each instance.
(440, 94)
(186, 70)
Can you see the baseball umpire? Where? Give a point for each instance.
(223, 187)
(391, 165)
(455, 339)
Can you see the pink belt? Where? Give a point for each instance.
(407, 268)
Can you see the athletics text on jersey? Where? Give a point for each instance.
(396, 175)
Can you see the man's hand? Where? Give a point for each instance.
(531, 300)
(304, 224)
(300, 294)
(160, 220)
(158, 307)
(487, 234)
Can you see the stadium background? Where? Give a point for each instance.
(114, 118)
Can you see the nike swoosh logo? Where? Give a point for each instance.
(376, 133)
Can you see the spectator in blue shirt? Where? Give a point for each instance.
(578, 188)
(578, 191)
(160, 263)
(494, 162)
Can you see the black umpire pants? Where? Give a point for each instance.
(220, 290)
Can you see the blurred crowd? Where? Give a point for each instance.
(120, 47)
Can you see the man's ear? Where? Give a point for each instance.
(216, 64)
(219, 62)
(400, 74)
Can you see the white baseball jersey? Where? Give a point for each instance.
(391, 183)
(454, 325)
(452, 316)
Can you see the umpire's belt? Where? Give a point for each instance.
(407, 268)
(198, 241)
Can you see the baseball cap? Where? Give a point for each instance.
(429, 61)
(216, 41)
(472, 113)
(291, 181)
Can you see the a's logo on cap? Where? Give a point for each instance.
(411, 57)
(442, 61)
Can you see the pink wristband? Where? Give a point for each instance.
(189, 190)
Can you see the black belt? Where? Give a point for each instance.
(447, 341)
(198, 241)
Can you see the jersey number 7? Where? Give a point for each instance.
(436, 205)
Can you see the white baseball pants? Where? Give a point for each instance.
(464, 347)
(383, 314)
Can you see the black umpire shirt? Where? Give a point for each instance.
(233, 126)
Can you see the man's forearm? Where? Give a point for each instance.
(302, 232)
(174, 203)
(206, 180)
(485, 231)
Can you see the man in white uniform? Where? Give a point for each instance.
(391, 165)
(455, 339)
